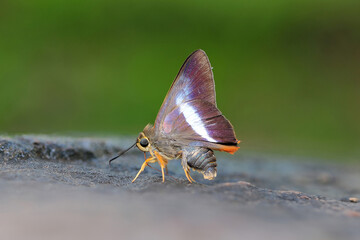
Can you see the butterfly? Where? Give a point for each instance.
(189, 126)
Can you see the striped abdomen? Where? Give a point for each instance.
(202, 160)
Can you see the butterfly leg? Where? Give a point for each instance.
(187, 174)
(186, 170)
(149, 160)
(162, 162)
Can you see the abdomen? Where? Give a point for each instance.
(202, 160)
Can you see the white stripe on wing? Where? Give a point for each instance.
(194, 120)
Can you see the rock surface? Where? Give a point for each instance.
(62, 188)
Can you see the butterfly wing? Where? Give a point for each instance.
(194, 81)
(189, 113)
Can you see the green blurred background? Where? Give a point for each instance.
(286, 72)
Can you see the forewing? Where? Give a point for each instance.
(194, 81)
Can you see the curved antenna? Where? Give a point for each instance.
(121, 153)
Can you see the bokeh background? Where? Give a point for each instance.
(286, 72)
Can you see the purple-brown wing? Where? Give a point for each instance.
(189, 110)
(194, 81)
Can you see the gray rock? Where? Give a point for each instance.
(61, 188)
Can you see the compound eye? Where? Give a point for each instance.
(144, 142)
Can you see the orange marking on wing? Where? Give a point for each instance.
(229, 149)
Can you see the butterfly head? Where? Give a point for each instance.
(143, 141)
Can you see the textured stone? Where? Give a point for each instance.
(61, 187)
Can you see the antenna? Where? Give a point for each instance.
(121, 153)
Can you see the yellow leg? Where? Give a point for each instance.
(191, 177)
(163, 174)
(162, 162)
(150, 159)
(186, 170)
(187, 174)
